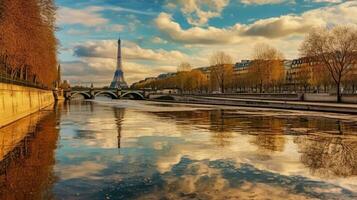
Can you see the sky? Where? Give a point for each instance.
(157, 35)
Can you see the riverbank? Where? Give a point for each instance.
(260, 103)
(18, 101)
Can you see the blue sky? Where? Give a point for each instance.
(159, 34)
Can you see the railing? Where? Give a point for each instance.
(5, 78)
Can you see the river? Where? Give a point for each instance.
(122, 149)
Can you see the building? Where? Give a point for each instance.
(205, 70)
(300, 70)
(166, 75)
(118, 79)
(241, 68)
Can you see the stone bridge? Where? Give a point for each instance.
(112, 93)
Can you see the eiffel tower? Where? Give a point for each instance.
(118, 79)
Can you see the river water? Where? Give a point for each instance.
(124, 149)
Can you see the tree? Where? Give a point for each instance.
(28, 46)
(351, 79)
(221, 70)
(277, 73)
(241, 82)
(267, 67)
(198, 81)
(328, 156)
(304, 77)
(335, 48)
(320, 77)
(182, 75)
(184, 67)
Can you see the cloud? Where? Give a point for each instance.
(344, 13)
(268, 28)
(110, 28)
(88, 16)
(263, 2)
(327, 1)
(193, 35)
(100, 71)
(275, 27)
(281, 26)
(130, 51)
(87, 169)
(77, 32)
(91, 16)
(198, 12)
(121, 9)
(135, 52)
(170, 5)
(97, 29)
(158, 40)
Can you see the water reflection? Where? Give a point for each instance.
(138, 150)
(329, 156)
(27, 170)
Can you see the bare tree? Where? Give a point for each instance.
(267, 66)
(351, 80)
(182, 75)
(184, 67)
(221, 69)
(320, 77)
(304, 77)
(335, 48)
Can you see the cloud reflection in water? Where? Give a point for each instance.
(204, 153)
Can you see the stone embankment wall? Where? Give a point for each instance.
(259, 103)
(312, 97)
(17, 102)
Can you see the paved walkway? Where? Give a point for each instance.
(259, 103)
(341, 105)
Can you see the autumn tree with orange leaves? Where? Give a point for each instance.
(221, 71)
(28, 46)
(267, 68)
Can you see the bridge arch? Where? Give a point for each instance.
(135, 95)
(109, 93)
(84, 94)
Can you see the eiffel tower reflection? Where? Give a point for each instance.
(119, 116)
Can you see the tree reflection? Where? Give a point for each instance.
(269, 129)
(328, 156)
(185, 117)
(220, 125)
(27, 171)
(269, 133)
(269, 142)
(223, 123)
